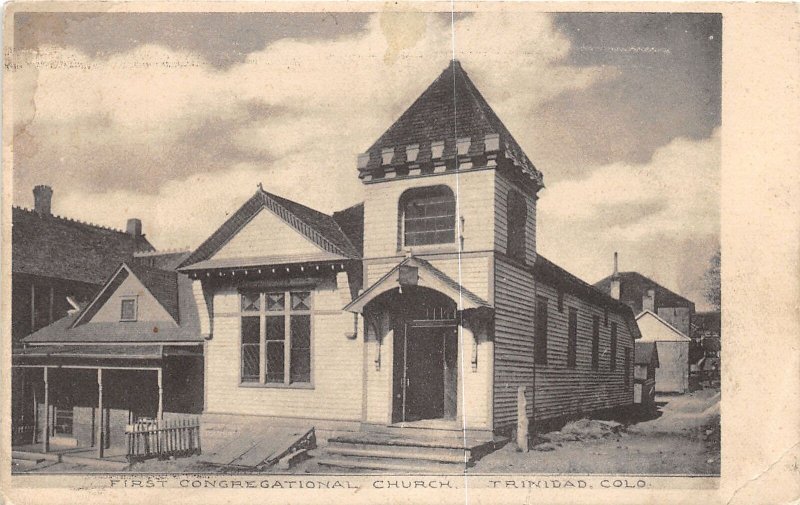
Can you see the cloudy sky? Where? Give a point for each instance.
(174, 118)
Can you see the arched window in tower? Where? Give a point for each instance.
(517, 216)
(427, 216)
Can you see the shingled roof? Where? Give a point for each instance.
(53, 246)
(633, 286)
(451, 108)
(320, 228)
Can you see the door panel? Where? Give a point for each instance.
(424, 375)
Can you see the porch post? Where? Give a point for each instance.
(160, 393)
(100, 422)
(46, 437)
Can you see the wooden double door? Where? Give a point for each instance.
(425, 372)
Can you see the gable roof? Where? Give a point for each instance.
(321, 229)
(645, 353)
(437, 280)
(171, 289)
(633, 286)
(61, 248)
(678, 335)
(162, 284)
(351, 221)
(449, 109)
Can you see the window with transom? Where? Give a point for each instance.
(276, 337)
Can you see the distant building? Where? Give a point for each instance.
(672, 375)
(645, 361)
(707, 330)
(642, 293)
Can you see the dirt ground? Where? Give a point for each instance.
(681, 437)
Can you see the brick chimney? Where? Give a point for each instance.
(649, 300)
(42, 198)
(134, 227)
(615, 281)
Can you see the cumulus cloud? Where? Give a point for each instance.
(148, 125)
(662, 216)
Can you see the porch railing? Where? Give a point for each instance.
(163, 439)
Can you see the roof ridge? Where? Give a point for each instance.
(156, 252)
(73, 220)
(317, 232)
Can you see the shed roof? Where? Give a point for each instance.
(61, 248)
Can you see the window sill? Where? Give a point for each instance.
(433, 248)
(275, 385)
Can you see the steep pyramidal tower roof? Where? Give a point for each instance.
(450, 126)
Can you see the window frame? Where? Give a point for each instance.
(540, 340)
(520, 249)
(572, 338)
(614, 338)
(287, 312)
(595, 342)
(135, 300)
(419, 192)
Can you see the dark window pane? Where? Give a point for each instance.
(274, 361)
(251, 302)
(276, 328)
(301, 331)
(301, 300)
(540, 332)
(250, 362)
(275, 302)
(429, 217)
(301, 365)
(128, 310)
(250, 330)
(572, 343)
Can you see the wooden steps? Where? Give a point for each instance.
(403, 452)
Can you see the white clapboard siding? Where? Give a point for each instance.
(336, 365)
(562, 391)
(475, 192)
(268, 235)
(513, 340)
(502, 187)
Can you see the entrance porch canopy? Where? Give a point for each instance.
(414, 271)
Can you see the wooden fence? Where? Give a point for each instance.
(163, 439)
(22, 433)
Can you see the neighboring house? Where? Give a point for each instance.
(133, 352)
(54, 258)
(672, 375)
(644, 373)
(642, 293)
(385, 315)
(57, 264)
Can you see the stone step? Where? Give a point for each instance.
(391, 465)
(397, 453)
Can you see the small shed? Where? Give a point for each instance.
(644, 373)
(672, 375)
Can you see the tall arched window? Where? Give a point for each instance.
(517, 216)
(428, 216)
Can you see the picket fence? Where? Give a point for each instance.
(163, 439)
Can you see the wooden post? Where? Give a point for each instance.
(46, 437)
(101, 425)
(160, 393)
(35, 413)
(522, 419)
